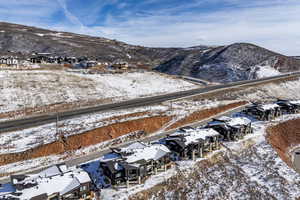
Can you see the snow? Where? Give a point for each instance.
(21, 89)
(150, 152)
(266, 71)
(40, 34)
(54, 183)
(51, 171)
(253, 169)
(269, 106)
(22, 140)
(192, 136)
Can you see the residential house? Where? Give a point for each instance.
(241, 126)
(264, 112)
(189, 143)
(289, 106)
(55, 183)
(9, 61)
(136, 162)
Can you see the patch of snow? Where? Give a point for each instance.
(40, 34)
(266, 71)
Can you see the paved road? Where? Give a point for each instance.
(48, 118)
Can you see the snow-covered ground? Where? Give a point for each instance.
(22, 140)
(18, 141)
(284, 90)
(266, 71)
(21, 89)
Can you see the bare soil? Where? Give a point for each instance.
(283, 137)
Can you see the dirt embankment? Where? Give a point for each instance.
(204, 114)
(88, 138)
(283, 137)
(75, 142)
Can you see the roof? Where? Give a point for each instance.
(61, 183)
(296, 102)
(238, 121)
(150, 152)
(132, 147)
(269, 106)
(196, 135)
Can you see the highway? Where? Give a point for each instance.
(48, 118)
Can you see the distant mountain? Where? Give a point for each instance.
(240, 61)
(234, 62)
(25, 40)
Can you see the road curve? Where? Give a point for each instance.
(48, 118)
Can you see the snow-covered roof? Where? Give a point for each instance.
(195, 135)
(237, 121)
(60, 183)
(51, 171)
(269, 106)
(132, 147)
(150, 152)
(297, 102)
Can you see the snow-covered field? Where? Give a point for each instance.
(266, 71)
(284, 90)
(21, 89)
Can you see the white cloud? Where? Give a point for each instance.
(273, 24)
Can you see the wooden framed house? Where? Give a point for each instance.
(191, 143)
(264, 112)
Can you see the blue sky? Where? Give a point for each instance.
(274, 24)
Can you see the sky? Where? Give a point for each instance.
(273, 24)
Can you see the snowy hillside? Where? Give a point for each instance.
(21, 89)
(236, 62)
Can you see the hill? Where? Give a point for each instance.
(24, 40)
(240, 61)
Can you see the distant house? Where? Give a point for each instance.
(121, 65)
(57, 182)
(136, 162)
(9, 61)
(189, 143)
(264, 111)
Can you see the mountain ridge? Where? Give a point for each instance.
(234, 62)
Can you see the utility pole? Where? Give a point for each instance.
(57, 123)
